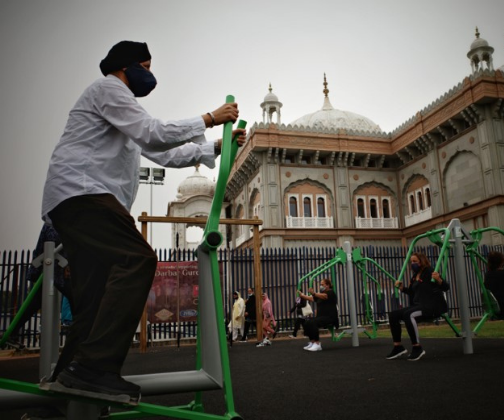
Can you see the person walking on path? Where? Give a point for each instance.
(269, 323)
(238, 316)
(250, 312)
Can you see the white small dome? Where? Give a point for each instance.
(270, 97)
(479, 44)
(196, 184)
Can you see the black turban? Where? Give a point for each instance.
(123, 54)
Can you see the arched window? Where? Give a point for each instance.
(360, 208)
(307, 207)
(321, 207)
(386, 208)
(293, 207)
(373, 209)
(420, 201)
(412, 204)
(428, 197)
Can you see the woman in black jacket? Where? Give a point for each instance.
(427, 302)
(494, 278)
(327, 313)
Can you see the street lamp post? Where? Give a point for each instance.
(152, 176)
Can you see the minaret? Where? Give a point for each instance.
(480, 54)
(270, 105)
(327, 104)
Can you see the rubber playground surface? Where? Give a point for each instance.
(282, 381)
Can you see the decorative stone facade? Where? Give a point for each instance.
(374, 187)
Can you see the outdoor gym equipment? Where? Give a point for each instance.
(212, 359)
(490, 304)
(360, 262)
(442, 238)
(453, 237)
(37, 262)
(345, 255)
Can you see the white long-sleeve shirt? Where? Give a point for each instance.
(106, 132)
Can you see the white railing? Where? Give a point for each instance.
(309, 222)
(376, 223)
(418, 217)
(241, 239)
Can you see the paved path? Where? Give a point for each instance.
(341, 382)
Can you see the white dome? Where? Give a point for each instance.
(329, 118)
(479, 44)
(271, 97)
(196, 184)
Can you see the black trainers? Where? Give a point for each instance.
(83, 378)
(416, 353)
(396, 352)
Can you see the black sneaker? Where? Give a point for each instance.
(416, 353)
(396, 352)
(81, 377)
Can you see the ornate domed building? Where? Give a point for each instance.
(194, 199)
(332, 176)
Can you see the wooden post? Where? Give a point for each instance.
(144, 219)
(258, 281)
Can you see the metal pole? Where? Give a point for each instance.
(461, 276)
(49, 348)
(351, 294)
(178, 290)
(151, 193)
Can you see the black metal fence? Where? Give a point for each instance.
(281, 271)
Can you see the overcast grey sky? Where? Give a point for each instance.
(384, 59)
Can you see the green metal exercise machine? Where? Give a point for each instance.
(212, 361)
(490, 304)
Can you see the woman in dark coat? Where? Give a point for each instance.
(327, 313)
(494, 278)
(427, 302)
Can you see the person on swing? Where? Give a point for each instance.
(427, 302)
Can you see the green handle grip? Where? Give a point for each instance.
(228, 154)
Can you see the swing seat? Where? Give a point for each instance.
(493, 306)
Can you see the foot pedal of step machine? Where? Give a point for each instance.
(59, 388)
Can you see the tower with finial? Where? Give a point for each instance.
(480, 54)
(327, 104)
(271, 105)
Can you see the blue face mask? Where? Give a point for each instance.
(415, 267)
(141, 81)
(322, 288)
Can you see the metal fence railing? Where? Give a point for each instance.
(281, 271)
